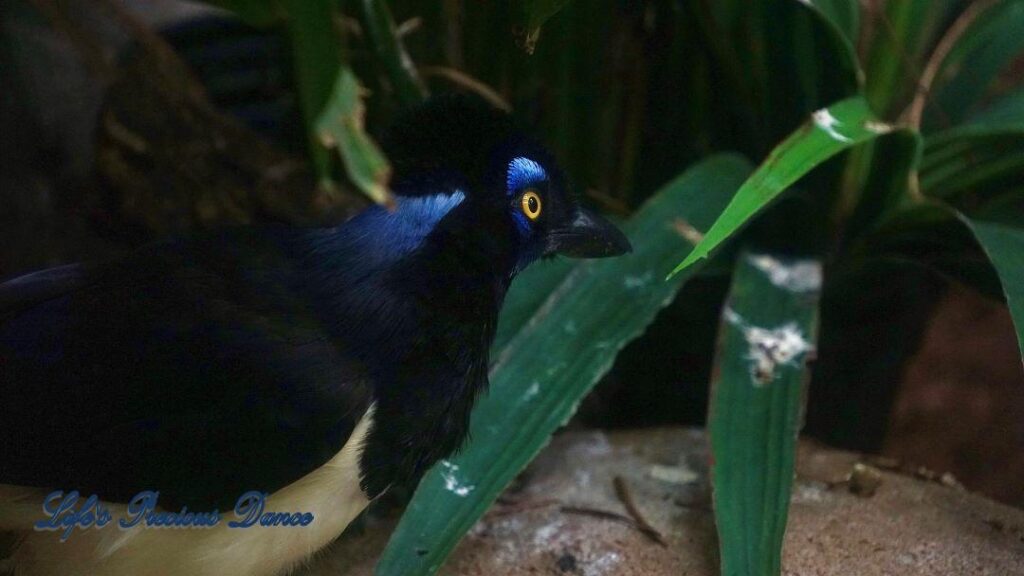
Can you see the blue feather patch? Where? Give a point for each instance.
(523, 173)
(392, 234)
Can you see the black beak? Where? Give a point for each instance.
(588, 235)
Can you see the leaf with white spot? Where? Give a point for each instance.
(767, 335)
(828, 132)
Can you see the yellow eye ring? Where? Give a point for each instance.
(530, 204)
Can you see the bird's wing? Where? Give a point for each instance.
(194, 369)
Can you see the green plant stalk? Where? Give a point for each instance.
(894, 158)
(401, 71)
(895, 55)
(317, 56)
(547, 368)
(855, 174)
(768, 330)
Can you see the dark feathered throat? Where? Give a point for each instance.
(428, 359)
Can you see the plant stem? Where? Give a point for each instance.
(387, 45)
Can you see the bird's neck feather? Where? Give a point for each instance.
(421, 313)
(440, 255)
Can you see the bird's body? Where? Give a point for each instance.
(317, 366)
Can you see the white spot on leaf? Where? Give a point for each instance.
(634, 282)
(770, 348)
(531, 392)
(553, 369)
(452, 483)
(800, 276)
(828, 123)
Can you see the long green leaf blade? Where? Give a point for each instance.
(768, 331)
(983, 157)
(317, 56)
(1004, 246)
(828, 132)
(843, 14)
(988, 46)
(530, 290)
(553, 362)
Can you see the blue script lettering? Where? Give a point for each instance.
(139, 505)
(249, 508)
(143, 507)
(62, 514)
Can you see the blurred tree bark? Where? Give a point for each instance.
(165, 160)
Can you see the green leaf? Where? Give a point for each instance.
(769, 329)
(979, 160)
(317, 57)
(1003, 117)
(1006, 111)
(898, 50)
(894, 157)
(927, 234)
(843, 14)
(828, 132)
(987, 47)
(390, 52)
(255, 13)
(798, 60)
(530, 290)
(546, 369)
(1004, 246)
(977, 166)
(341, 125)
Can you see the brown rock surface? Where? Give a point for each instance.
(960, 407)
(909, 526)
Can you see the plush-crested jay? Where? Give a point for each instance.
(317, 366)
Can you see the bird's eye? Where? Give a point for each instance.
(530, 204)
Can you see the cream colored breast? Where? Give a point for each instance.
(331, 493)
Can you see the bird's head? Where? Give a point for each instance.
(510, 188)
